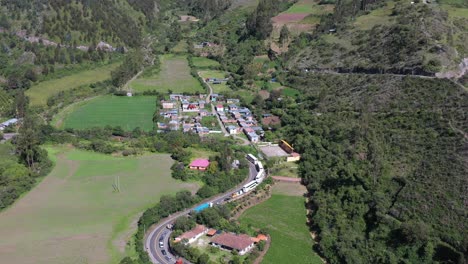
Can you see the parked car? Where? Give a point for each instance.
(164, 252)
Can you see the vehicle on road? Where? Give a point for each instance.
(169, 226)
(202, 207)
(161, 244)
(164, 252)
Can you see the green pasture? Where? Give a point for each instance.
(75, 215)
(174, 76)
(285, 218)
(202, 62)
(126, 112)
(39, 93)
(379, 16)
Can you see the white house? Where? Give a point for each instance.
(193, 234)
(229, 241)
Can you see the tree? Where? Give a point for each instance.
(184, 224)
(284, 35)
(203, 259)
(27, 141)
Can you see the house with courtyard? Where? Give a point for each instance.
(229, 241)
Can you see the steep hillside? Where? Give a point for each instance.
(79, 22)
(389, 37)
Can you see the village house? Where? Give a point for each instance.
(232, 101)
(193, 234)
(232, 130)
(253, 137)
(162, 125)
(176, 97)
(203, 113)
(199, 164)
(8, 123)
(219, 108)
(168, 104)
(293, 156)
(214, 97)
(173, 125)
(233, 107)
(229, 241)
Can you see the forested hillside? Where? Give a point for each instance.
(385, 162)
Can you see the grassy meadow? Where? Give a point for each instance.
(174, 76)
(284, 215)
(126, 112)
(74, 216)
(202, 62)
(39, 93)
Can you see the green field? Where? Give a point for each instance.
(202, 62)
(285, 218)
(126, 112)
(290, 92)
(39, 93)
(75, 216)
(174, 76)
(217, 88)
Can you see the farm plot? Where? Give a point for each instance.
(126, 112)
(75, 216)
(39, 93)
(284, 216)
(300, 17)
(217, 88)
(174, 76)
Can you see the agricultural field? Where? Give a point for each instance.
(217, 88)
(174, 76)
(284, 215)
(126, 112)
(301, 16)
(202, 62)
(75, 215)
(39, 93)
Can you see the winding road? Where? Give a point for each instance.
(159, 233)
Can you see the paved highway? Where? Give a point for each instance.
(160, 253)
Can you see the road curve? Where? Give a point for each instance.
(159, 232)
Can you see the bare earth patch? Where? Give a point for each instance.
(289, 188)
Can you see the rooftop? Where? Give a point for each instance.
(200, 163)
(192, 233)
(239, 242)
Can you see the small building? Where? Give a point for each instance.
(293, 157)
(211, 232)
(7, 123)
(232, 130)
(233, 107)
(176, 97)
(168, 104)
(214, 97)
(253, 137)
(193, 234)
(229, 241)
(162, 125)
(203, 113)
(173, 125)
(129, 94)
(199, 164)
(232, 101)
(219, 108)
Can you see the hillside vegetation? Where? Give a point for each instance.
(385, 162)
(395, 37)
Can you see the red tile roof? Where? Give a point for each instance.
(192, 233)
(239, 242)
(211, 232)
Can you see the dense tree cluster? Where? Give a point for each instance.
(383, 160)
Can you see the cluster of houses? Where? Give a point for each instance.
(242, 243)
(178, 105)
(239, 120)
